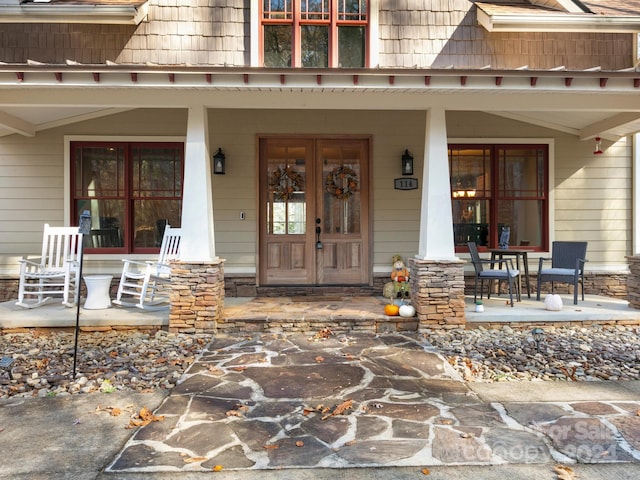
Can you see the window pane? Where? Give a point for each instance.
(471, 220)
(108, 226)
(342, 182)
(315, 46)
(525, 220)
(277, 9)
(277, 46)
(157, 172)
(99, 172)
(352, 9)
(521, 172)
(286, 177)
(314, 10)
(149, 219)
(351, 47)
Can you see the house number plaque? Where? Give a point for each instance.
(405, 183)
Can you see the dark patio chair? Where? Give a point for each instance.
(567, 266)
(509, 274)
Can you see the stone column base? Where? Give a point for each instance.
(437, 292)
(197, 296)
(633, 282)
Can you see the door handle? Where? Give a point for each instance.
(318, 232)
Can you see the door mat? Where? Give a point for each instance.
(316, 298)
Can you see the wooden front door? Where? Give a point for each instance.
(314, 211)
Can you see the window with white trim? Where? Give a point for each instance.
(496, 186)
(132, 191)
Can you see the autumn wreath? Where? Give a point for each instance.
(284, 181)
(342, 182)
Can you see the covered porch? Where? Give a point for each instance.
(315, 313)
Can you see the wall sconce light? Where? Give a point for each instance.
(407, 163)
(598, 150)
(218, 162)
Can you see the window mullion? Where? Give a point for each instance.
(296, 57)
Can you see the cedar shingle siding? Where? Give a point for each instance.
(412, 33)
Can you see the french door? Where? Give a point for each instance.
(314, 211)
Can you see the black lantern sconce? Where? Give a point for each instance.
(218, 162)
(407, 163)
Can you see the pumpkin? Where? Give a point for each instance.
(391, 310)
(407, 311)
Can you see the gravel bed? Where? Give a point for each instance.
(566, 353)
(144, 361)
(106, 361)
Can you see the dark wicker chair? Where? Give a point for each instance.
(567, 266)
(509, 274)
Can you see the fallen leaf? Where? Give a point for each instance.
(217, 468)
(241, 368)
(425, 471)
(350, 442)
(145, 417)
(215, 370)
(299, 443)
(271, 447)
(115, 411)
(194, 459)
(466, 435)
(340, 409)
(233, 413)
(564, 472)
(319, 359)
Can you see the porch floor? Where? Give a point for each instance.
(343, 313)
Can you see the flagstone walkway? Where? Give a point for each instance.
(275, 401)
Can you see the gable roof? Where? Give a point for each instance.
(610, 16)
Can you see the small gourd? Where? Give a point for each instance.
(407, 311)
(391, 310)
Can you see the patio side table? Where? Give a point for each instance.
(97, 291)
(518, 253)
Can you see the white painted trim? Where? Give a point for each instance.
(98, 138)
(552, 163)
(254, 34)
(374, 33)
(635, 199)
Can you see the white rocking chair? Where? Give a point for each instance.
(55, 273)
(141, 281)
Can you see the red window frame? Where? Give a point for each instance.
(334, 18)
(493, 194)
(126, 192)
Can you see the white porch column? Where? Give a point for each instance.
(198, 242)
(436, 219)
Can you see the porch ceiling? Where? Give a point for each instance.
(587, 104)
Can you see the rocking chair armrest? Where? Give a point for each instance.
(135, 262)
(33, 261)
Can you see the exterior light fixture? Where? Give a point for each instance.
(538, 336)
(218, 162)
(598, 150)
(407, 163)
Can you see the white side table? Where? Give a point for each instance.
(97, 291)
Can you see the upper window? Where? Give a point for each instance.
(132, 190)
(496, 186)
(314, 33)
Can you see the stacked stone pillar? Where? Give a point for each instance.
(437, 293)
(633, 282)
(197, 296)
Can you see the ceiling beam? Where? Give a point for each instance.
(606, 128)
(17, 125)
